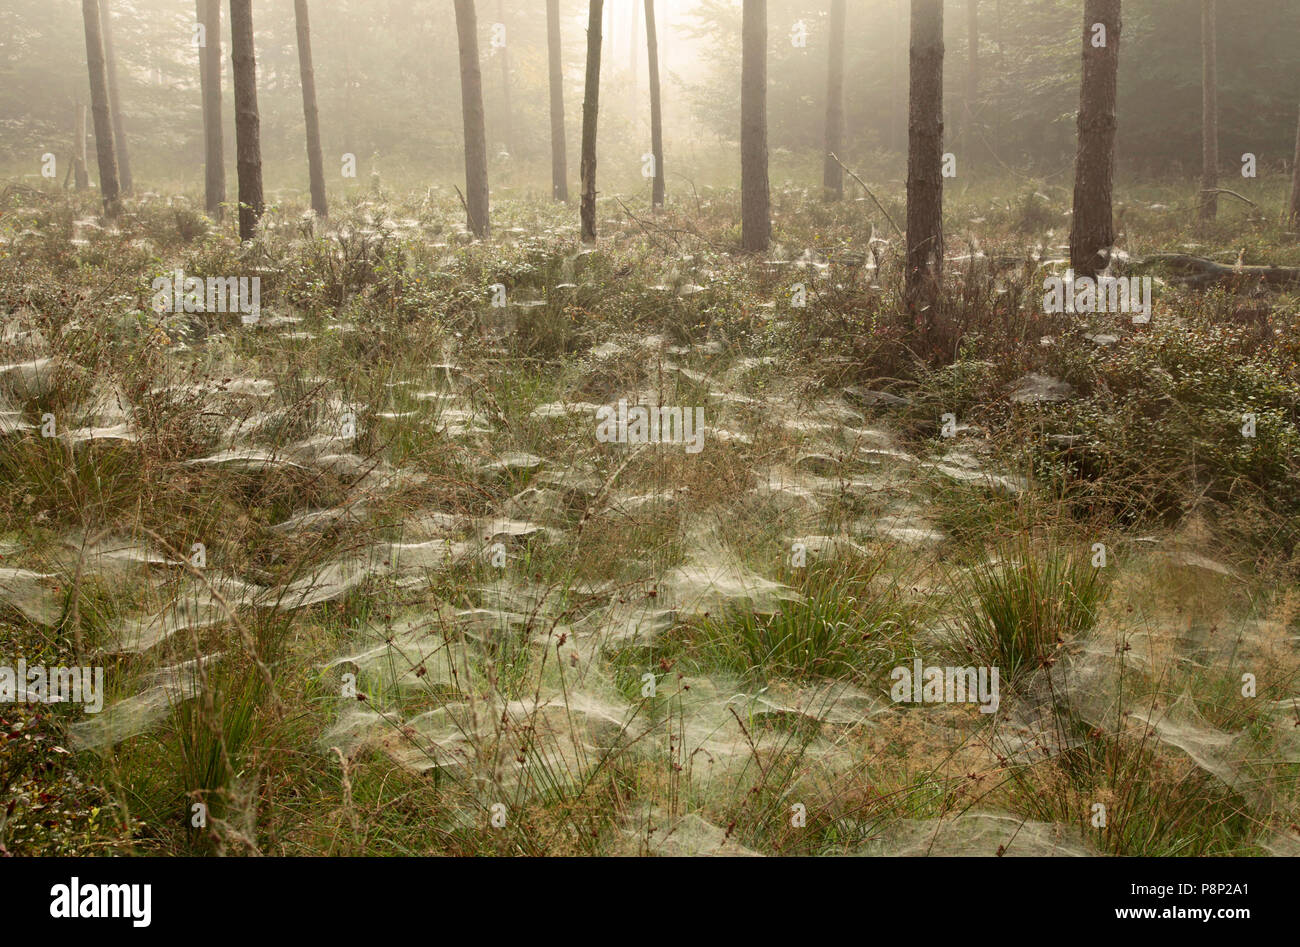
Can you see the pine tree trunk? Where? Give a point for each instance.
(634, 56)
(832, 173)
(972, 76)
(508, 125)
(656, 106)
(81, 176)
(471, 106)
(559, 158)
(214, 166)
(248, 133)
(1209, 111)
(115, 100)
(925, 160)
(755, 198)
(590, 113)
(1294, 214)
(1092, 234)
(99, 108)
(349, 117)
(315, 164)
(897, 131)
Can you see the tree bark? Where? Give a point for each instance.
(81, 176)
(898, 66)
(315, 164)
(972, 75)
(656, 106)
(559, 159)
(349, 116)
(1209, 111)
(755, 197)
(209, 12)
(925, 160)
(832, 173)
(1092, 234)
(590, 113)
(115, 100)
(634, 55)
(471, 106)
(1294, 214)
(99, 108)
(507, 127)
(248, 132)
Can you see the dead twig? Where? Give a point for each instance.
(863, 184)
(1224, 190)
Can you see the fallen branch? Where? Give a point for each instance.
(1224, 190)
(650, 229)
(1199, 271)
(863, 184)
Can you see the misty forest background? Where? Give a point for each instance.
(386, 77)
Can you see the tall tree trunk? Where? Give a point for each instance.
(755, 198)
(656, 107)
(925, 160)
(896, 98)
(508, 125)
(248, 130)
(972, 75)
(115, 100)
(590, 113)
(559, 159)
(81, 176)
(349, 117)
(471, 107)
(99, 108)
(832, 173)
(634, 57)
(1294, 214)
(1092, 234)
(1209, 111)
(315, 164)
(214, 158)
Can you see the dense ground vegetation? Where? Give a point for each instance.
(435, 614)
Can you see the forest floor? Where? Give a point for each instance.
(364, 578)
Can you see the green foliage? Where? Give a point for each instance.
(845, 625)
(1017, 607)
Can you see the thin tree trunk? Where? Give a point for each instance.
(559, 159)
(1294, 215)
(925, 160)
(115, 100)
(972, 74)
(315, 164)
(898, 123)
(755, 197)
(99, 108)
(81, 176)
(634, 56)
(1209, 111)
(349, 118)
(590, 113)
(214, 166)
(832, 173)
(508, 128)
(1092, 233)
(471, 106)
(656, 107)
(248, 133)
